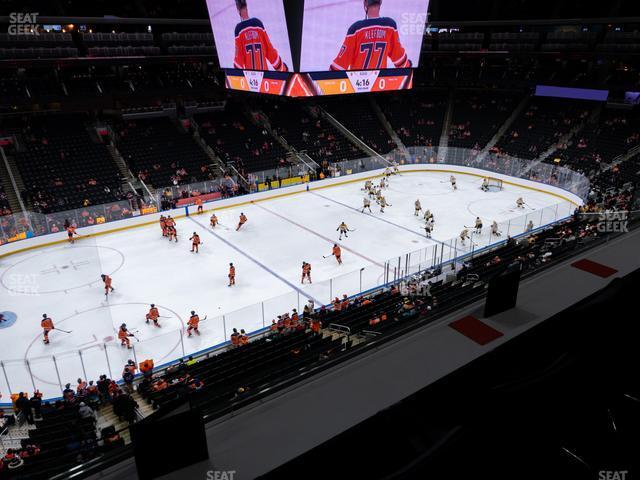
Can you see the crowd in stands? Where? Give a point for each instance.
(542, 124)
(417, 117)
(306, 130)
(61, 165)
(224, 187)
(5, 208)
(159, 153)
(359, 117)
(600, 142)
(65, 429)
(477, 117)
(238, 141)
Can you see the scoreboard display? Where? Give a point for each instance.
(271, 83)
(361, 81)
(303, 48)
(320, 83)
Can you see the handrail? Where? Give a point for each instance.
(240, 176)
(144, 185)
(371, 332)
(339, 328)
(14, 184)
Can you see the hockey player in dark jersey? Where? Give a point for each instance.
(370, 42)
(254, 50)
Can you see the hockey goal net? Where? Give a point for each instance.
(494, 183)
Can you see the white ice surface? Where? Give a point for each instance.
(64, 281)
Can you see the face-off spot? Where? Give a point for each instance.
(7, 319)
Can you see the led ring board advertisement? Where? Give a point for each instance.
(346, 46)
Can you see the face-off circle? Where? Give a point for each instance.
(95, 328)
(61, 269)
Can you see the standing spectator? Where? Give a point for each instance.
(128, 377)
(103, 388)
(24, 406)
(36, 404)
(68, 394)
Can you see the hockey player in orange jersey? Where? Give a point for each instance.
(232, 275)
(71, 231)
(193, 323)
(107, 284)
(370, 42)
(195, 242)
(199, 205)
(254, 50)
(213, 220)
(47, 326)
(163, 225)
(153, 315)
(242, 221)
(336, 251)
(123, 336)
(172, 233)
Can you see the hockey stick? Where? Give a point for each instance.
(63, 331)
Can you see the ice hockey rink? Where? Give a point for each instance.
(63, 280)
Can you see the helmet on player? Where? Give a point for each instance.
(241, 4)
(44, 315)
(193, 312)
(153, 304)
(124, 325)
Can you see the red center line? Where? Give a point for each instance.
(320, 235)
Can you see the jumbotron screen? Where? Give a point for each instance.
(250, 34)
(362, 34)
(339, 46)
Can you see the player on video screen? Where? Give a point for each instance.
(370, 42)
(253, 47)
